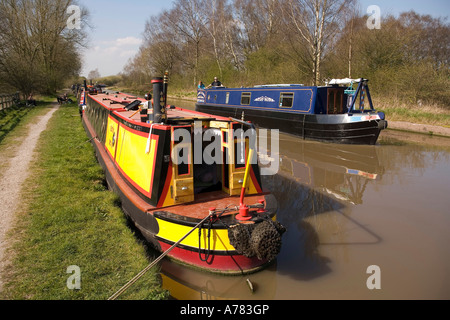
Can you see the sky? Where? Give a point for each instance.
(118, 26)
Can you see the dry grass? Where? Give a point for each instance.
(423, 113)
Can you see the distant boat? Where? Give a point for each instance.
(166, 198)
(331, 113)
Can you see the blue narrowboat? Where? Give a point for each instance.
(336, 112)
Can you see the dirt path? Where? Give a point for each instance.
(11, 182)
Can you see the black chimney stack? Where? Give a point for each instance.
(165, 85)
(159, 108)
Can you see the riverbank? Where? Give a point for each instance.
(427, 129)
(66, 223)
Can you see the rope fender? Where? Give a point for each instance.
(262, 240)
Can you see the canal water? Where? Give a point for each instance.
(363, 222)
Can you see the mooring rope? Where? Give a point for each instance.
(207, 251)
(140, 274)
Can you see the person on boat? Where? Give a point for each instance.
(215, 83)
(201, 85)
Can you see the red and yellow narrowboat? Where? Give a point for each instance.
(157, 158)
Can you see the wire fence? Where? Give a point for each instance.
(8, 100)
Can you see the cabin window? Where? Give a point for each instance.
(245, 98)
(286, 99)
(182, 154)
(227, 98)
(183, 168)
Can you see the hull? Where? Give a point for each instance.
(343, 128)
(160, 209)
(328, 113)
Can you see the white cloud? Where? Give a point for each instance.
(110, 56)
(128, 41)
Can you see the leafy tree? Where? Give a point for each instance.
(38, 50)
(247, 42)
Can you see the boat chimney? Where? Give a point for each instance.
(159, 108)
(165, 85)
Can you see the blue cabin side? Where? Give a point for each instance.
(294, 98)
(297, 99)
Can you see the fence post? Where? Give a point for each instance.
(7, 100)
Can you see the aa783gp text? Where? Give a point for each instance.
(227, 309)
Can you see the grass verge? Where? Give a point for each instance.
(423, 114)
(10, 118)
(68, 217)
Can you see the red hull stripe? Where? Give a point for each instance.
(215, 263)
(166, 186)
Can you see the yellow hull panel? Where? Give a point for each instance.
(127, 148)
(173, 232)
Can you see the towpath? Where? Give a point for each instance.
(419, 128)
(15, 173)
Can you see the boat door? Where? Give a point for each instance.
(182, 189)
(335, 100)
(235, 150)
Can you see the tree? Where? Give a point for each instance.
(259, 20)
(161, 48)
(213, 17)
(93, 74)
(294, 41)
(406, 60)
(37, 49)
(428, 38)
(187, 22)
(314, 23)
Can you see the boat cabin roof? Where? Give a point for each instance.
(277, 85)
(117, 102)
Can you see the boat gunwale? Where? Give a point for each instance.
(118, 112)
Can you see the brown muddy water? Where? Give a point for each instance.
(348, 210)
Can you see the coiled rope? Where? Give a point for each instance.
(216, 217)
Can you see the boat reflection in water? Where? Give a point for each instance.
(190, 284)
(341, 171)
(314, 178)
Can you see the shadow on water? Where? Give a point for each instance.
(313, 180)
(316, 179)
(296, 203)
(321, 191)
(345, 208)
